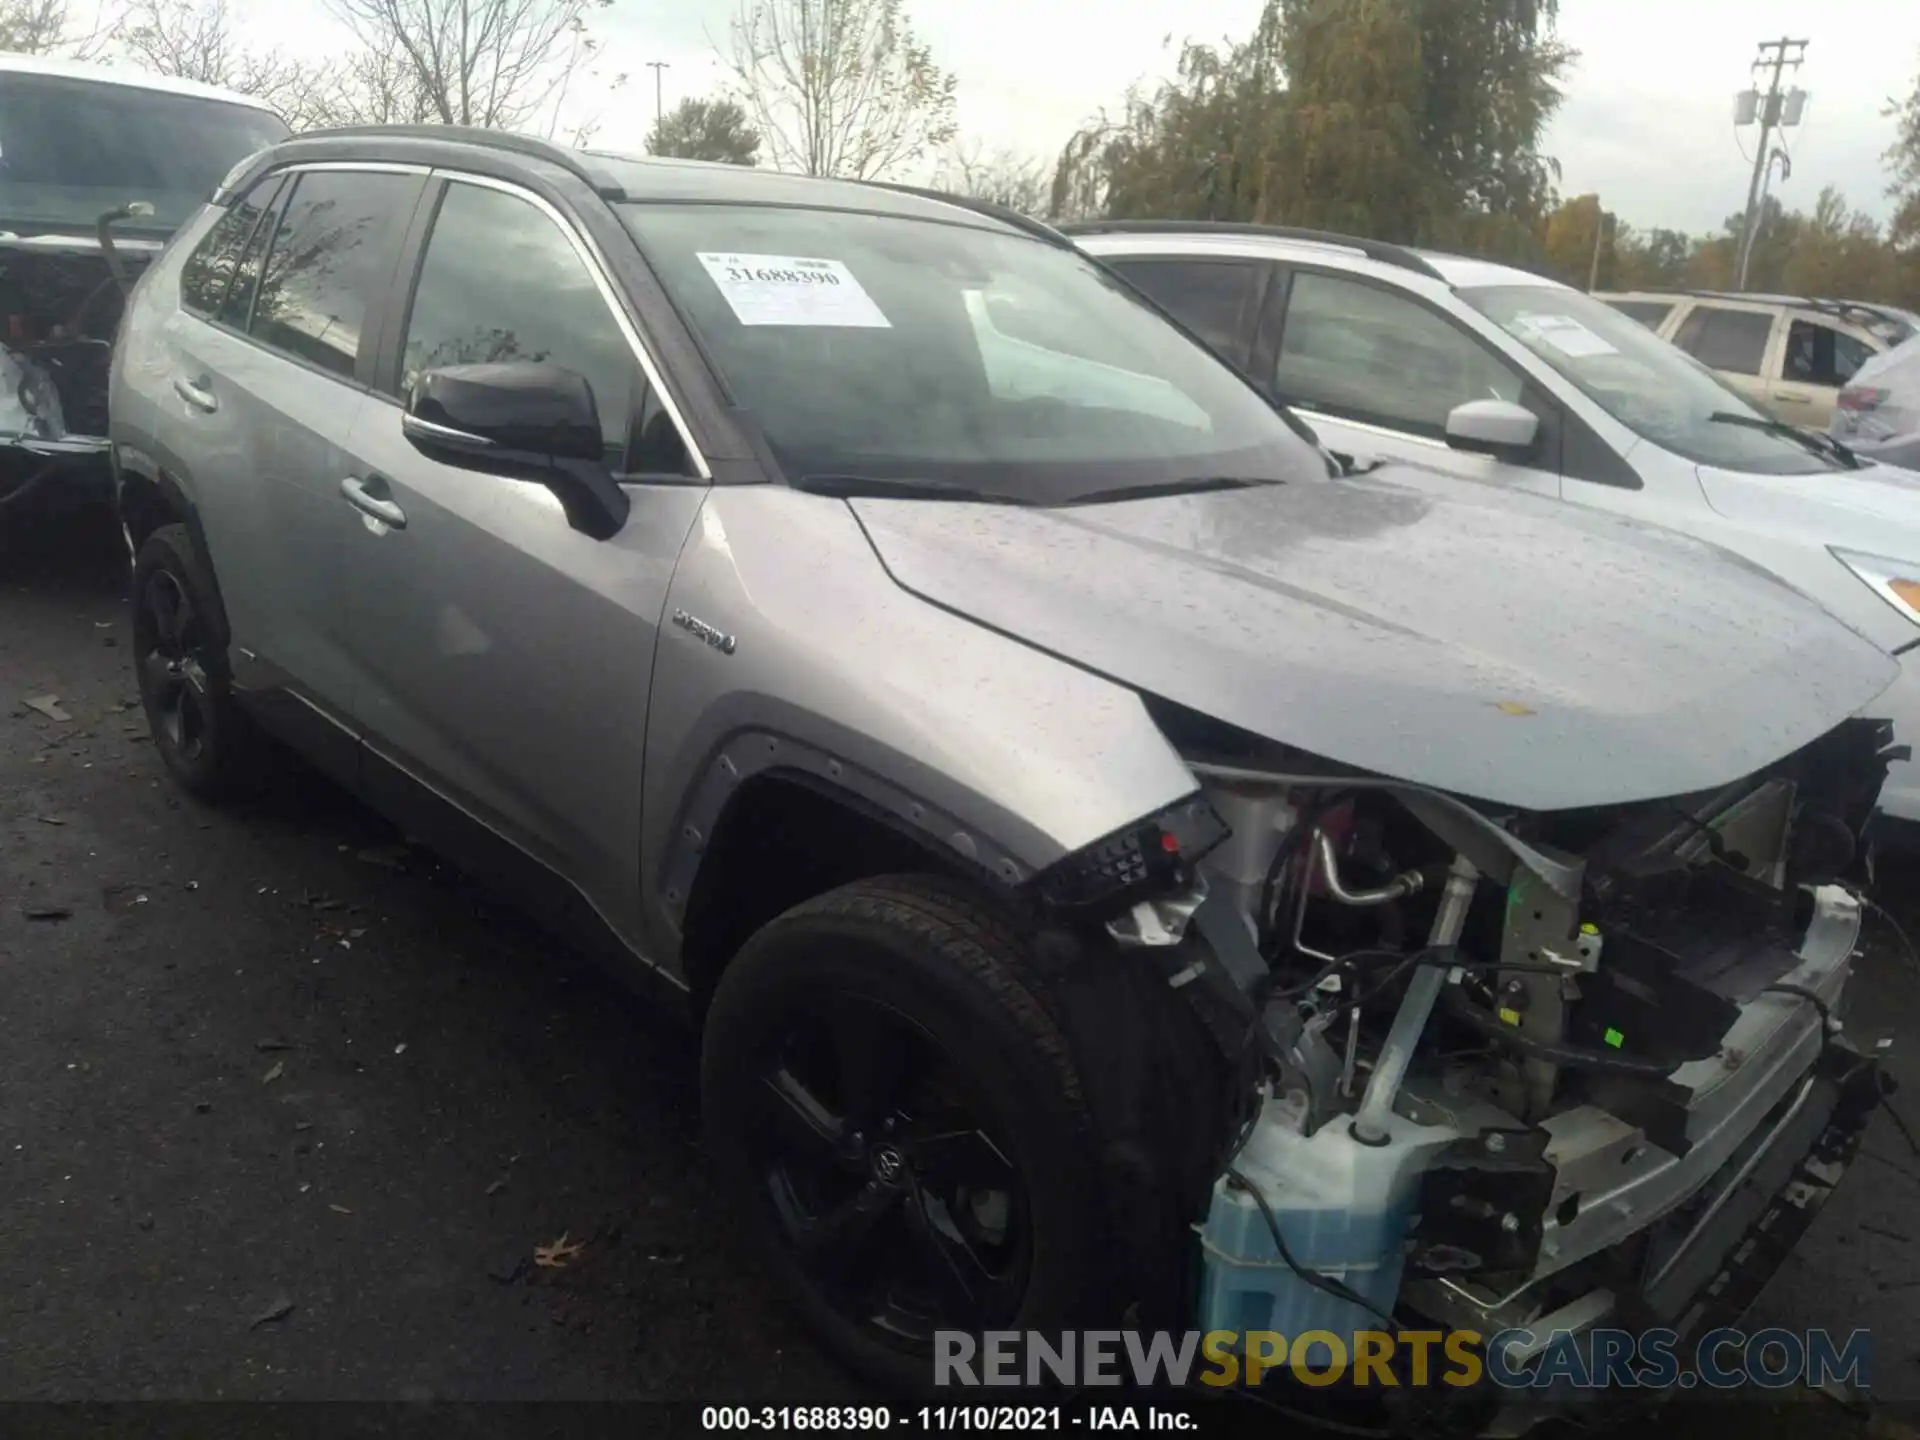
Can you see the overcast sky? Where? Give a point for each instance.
(1648, 119)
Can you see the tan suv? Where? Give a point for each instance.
(1790, 354)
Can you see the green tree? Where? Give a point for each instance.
(1568, 240)
(706, 130)
(1410, 120)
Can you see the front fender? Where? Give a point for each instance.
(789, 647)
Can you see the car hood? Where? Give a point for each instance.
(1486, 643)
(1876, 510)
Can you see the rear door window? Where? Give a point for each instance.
(1363, 352)
(332, 255)
(1821, 355)
(1731, 340)
(1213, 298)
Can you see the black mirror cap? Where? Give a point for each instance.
(518, 406)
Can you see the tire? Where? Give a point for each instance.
(180, 662)
(971, 1040)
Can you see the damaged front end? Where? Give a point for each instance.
(1540, 1070)
(61, 299)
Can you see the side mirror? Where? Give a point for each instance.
(1498, 428)
(525, 421)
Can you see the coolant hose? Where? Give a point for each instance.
(1577, 1056)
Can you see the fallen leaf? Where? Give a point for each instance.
(339, 1209)
(47, 705)
(47, 912)
(556, 1255)
(266, 1047)
(51, 820)
(278, 1310)
(496, 1187)
(1514, 707)
(279, 1069)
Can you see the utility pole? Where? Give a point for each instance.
(1784, 52)
(1599, 232)
(659, 102)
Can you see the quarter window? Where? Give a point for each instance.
(209, 271)
(1365, 353)
(1650, 313)
(332, 254)
(1731, 340)
(501, 282)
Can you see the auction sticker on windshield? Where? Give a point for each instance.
(792, 290)
(1564, 333)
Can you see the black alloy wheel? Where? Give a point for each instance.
(894, 1114)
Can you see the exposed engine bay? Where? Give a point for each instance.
(1512, 1069)
(61, 299)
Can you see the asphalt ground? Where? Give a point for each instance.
(289, 1112)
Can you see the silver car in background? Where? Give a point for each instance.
(1878, 413)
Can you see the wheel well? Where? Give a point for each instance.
(144, 507)
(779, 842)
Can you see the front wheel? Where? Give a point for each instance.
(899, 1122)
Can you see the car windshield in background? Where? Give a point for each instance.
(910, 350)
(1643, 382)
(70, 150)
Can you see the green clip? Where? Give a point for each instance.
(1613, 1037)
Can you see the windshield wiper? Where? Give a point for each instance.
(1824, 446)
(1192, 485)
(900, 487)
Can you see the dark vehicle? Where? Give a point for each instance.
(98, 168)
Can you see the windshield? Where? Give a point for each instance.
(1649, 386)
(879, 347)
(70, 150)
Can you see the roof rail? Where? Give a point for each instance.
(1005, 214)
(531, 146)
(1824, 305)
(1380, 250)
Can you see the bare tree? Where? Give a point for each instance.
(839, 87)
(47, 27)
(1003, 177)
(496, 63)
(196, 40)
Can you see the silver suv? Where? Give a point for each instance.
(1077, 815)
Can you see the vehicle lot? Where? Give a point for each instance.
(274, 1059)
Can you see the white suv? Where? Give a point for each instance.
(1475, 371)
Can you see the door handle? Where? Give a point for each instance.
(357, 494)
(196, 394)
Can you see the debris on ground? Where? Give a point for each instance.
(281, 1307)
(279, 1069)
(50, 820)
(202, 1107)
(389, 857)
(497, 1186)
(554, 1256)
(47, 705)
(339, 1209)
(267, 1047)
(47, 912)
(1886, 1232)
